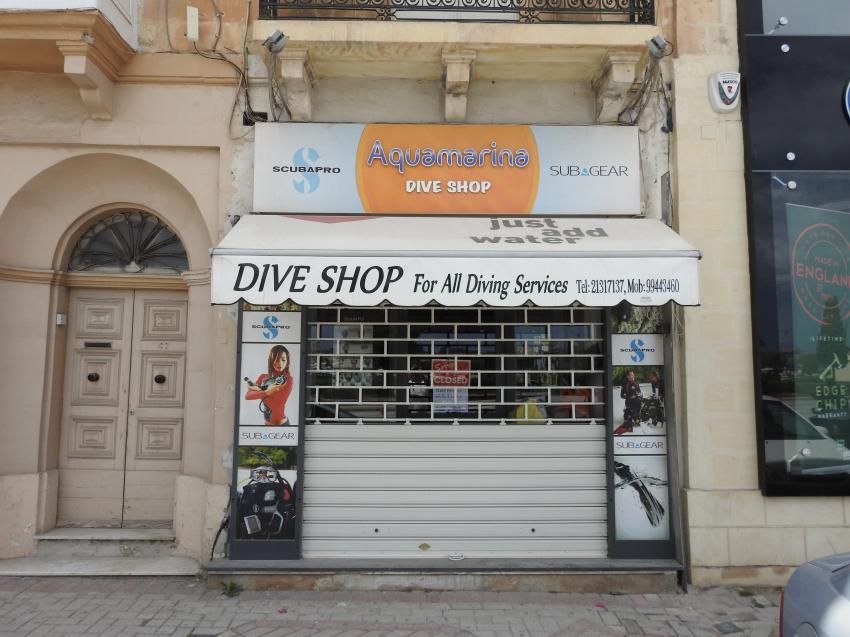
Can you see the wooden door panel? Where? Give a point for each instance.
(94, 410)
(91, 495)
(155, 422)
(91, 437)
(164, 319)
(99, 316)
(95, 377)
(159, 439)
(162, 379)
(122, 418)
(149, 495)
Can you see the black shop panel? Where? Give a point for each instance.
(794, 102)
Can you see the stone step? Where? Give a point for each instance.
(104, 542)
(99, 567)
(436, 574)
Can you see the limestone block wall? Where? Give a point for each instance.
(741, 537)
(734, 535)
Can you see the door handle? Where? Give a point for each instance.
(93, 377)
(159, 379)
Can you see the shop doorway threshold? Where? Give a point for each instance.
(526, 575)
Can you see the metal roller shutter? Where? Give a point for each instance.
(508, 461)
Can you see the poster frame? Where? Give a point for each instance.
(638, 549)
(268, 550)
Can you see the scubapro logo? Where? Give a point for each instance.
(306, 157)
(636, 350)
(636, 345)
(271, 331)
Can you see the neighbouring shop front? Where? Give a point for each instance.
(799, 217)
(453, 344)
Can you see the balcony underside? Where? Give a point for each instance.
(526, 11)
(502, 51)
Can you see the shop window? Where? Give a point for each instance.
(801, 305)
(465, 365)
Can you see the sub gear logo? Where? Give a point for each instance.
(270, 333)
(597, 170)
(306, 158)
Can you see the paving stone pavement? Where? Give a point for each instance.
(183, 607)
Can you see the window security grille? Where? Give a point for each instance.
(439, 365)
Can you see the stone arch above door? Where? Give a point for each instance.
(44, 219)
(39, 227)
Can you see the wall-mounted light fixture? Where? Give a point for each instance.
(275, 42)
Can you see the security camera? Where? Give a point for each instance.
(276, 41)
(657, 47)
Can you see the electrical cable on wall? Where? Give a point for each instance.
(651, 83)
(242, 86)
(274, 44)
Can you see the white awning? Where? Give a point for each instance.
(455, 261)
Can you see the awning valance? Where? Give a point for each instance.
(455, 261)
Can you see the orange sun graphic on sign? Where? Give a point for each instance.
(445, 169)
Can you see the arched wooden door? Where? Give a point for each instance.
(125, 366)
(122, 415)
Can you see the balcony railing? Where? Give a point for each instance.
(561, 11)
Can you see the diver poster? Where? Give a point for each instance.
(269, 386)
(637, 396)
(639, 428)
(265, 514)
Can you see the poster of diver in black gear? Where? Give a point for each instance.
(637, 395)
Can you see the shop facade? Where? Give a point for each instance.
(427, 425)
(451, 382)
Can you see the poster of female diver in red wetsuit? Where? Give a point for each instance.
(269, 378)
(266, 472)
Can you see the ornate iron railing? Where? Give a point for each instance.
(632, 11)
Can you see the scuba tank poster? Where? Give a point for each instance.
(265, 493)
(637, 396)
(269, 376)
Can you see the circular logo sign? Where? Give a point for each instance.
(820, 269)
(444, 169)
